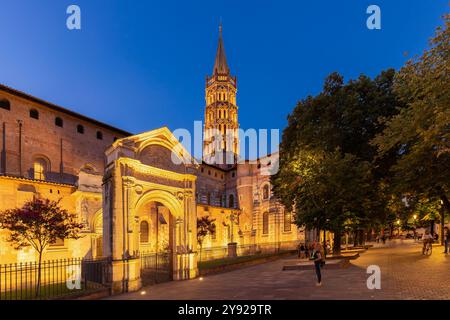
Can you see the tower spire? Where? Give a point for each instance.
(220, 64)
(220, 133)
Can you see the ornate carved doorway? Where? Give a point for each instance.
(155, 243)
(149, 225)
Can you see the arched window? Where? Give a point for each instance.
(287, 221)
(59, 122)
(266, 192)
(231, 201)
(99, 135)
(80, 128)
(213, 234)
(4, 104)
(40, 168)
(144, 232)
(89, 168)
(34, 114)
(265, 229)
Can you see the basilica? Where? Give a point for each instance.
(131, 196)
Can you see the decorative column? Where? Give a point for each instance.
(119, 230)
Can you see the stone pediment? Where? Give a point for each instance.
(156, 148)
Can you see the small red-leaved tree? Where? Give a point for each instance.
(39, 223)
(205, 226)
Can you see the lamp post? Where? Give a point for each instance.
(415, 227)
(398, 226)
(232, 246)
(232, 218)
(442, 221)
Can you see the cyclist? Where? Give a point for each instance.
(427, 239)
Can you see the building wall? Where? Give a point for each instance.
(42, 138)
(76, 180)
(14, 192)
(246, 182)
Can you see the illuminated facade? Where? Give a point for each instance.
(138, 194)
(220, 134)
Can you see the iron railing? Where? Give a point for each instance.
(58, 278)
(155, 267)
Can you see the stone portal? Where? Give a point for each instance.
(149, 207)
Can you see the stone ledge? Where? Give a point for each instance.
(309, 265)
(231, 267)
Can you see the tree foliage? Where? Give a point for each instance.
(420, 134)
(205, 226)
(328, 167)
(39, 223)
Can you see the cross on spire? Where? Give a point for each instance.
(220, 64)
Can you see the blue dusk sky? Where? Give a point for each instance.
(140, 65)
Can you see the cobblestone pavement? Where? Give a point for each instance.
(405, 274)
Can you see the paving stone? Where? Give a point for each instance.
(405, 274)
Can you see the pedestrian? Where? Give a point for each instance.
(301, 253)
(318, 262)
(446, 239)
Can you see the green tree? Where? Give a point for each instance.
(38, 224)
(419, 134)
(333, 130)
(205, 226)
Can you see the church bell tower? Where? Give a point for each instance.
(220, 133)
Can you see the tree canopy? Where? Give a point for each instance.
(420, 133)
(328, 167)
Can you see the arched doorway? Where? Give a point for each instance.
(149, 185)
(156, 242)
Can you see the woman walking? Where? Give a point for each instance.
(318, 262)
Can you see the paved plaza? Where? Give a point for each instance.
(405, 274)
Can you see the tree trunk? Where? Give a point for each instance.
(360, 237)
(346, 240)
(38, 283)
(337, 242)
(432, 228)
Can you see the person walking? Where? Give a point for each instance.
(446, 239)
(318, 262)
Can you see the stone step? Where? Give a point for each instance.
(348, 256)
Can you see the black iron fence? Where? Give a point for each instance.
(221, 252)
(53, 278)
(156, 267)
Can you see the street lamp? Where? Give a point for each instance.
(415, 226)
